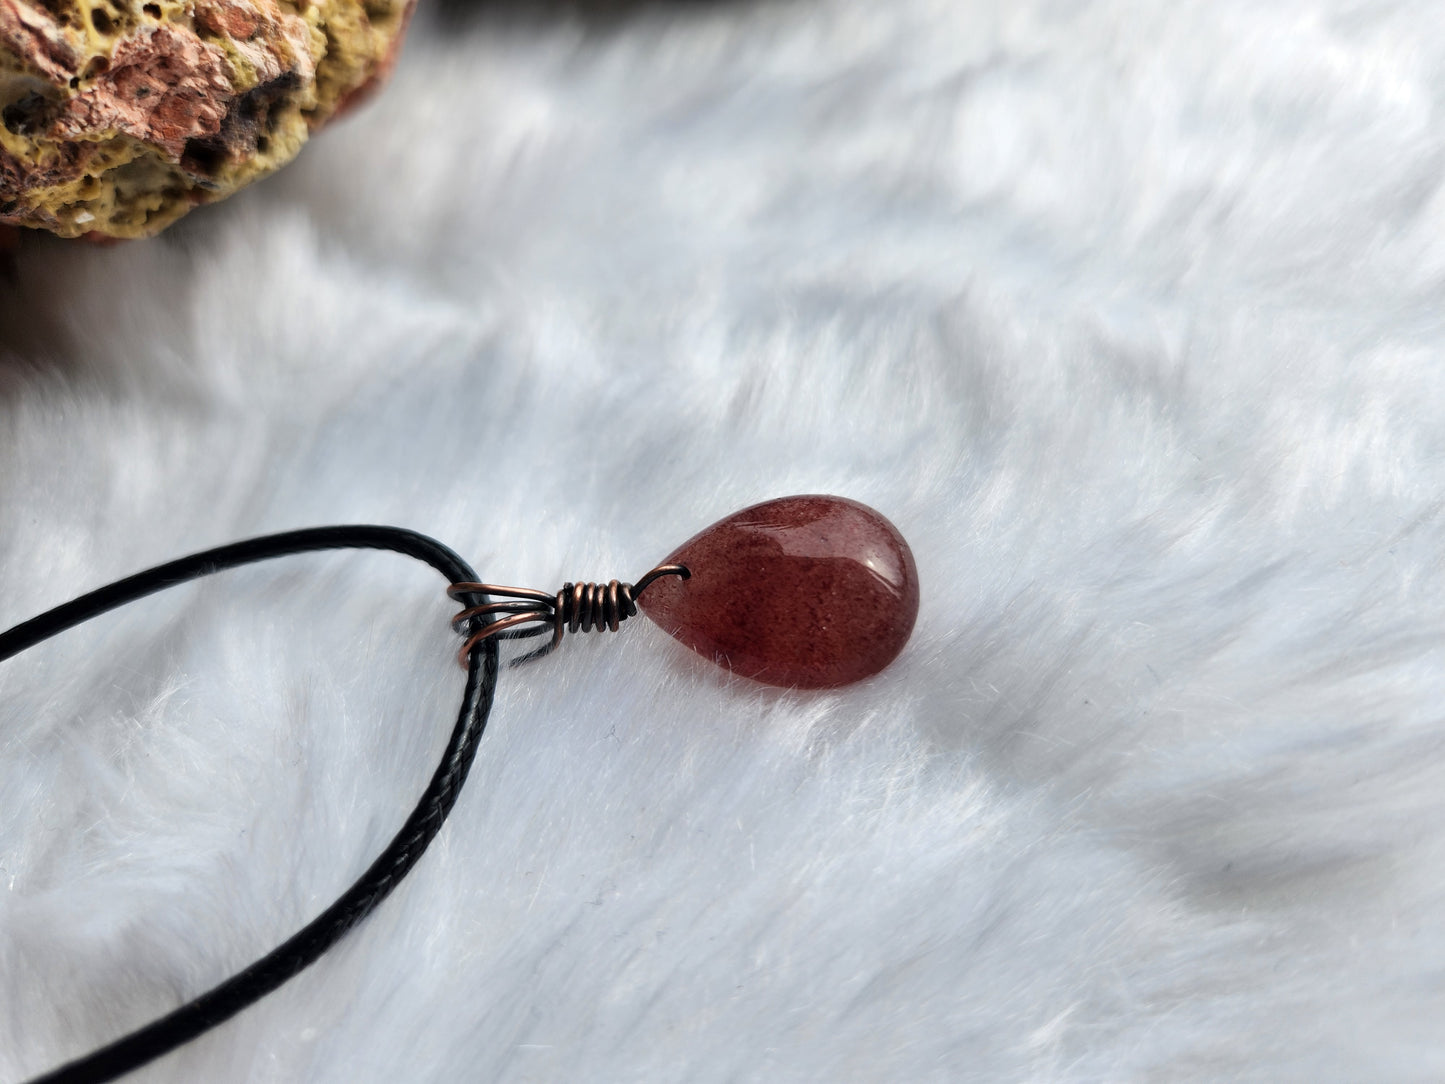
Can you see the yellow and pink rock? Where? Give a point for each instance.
(119, 116)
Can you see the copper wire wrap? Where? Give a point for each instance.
(523, 613)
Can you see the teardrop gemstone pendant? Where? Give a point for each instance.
(806, 592)
(803, 592)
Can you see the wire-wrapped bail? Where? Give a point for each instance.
(524, 613)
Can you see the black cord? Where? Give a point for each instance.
(307, 945)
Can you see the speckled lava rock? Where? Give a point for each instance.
(121, 115)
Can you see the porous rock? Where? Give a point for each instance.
(118, 116)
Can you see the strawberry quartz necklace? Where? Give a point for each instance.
(804, 592)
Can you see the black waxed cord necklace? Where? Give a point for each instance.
(806, 592)
(308, 944)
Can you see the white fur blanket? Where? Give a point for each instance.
(1128, 315)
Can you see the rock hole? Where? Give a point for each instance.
(204, 156)
(28, 114)
(101, 20)
(60, 10)
(153, 10)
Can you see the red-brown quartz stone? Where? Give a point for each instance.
(803, 592)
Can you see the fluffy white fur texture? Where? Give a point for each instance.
(1129, 315)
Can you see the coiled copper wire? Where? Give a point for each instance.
(577, 607)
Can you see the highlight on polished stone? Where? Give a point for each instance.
(808, 592)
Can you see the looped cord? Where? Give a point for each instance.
(577, 607)
(308, 944)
